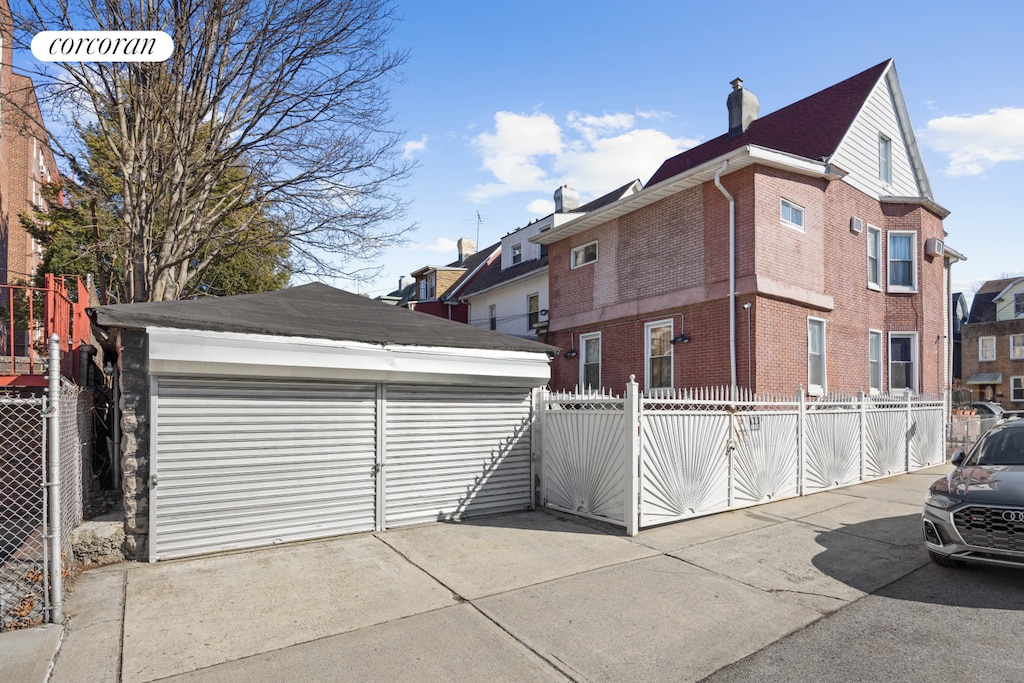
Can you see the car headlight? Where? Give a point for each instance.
(937, 500)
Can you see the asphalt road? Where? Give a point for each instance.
(934, 624)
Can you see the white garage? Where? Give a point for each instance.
(311, 412)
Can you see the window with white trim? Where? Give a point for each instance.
(903, 362)
(428, 287)
(590, 365)
(874, 258)
(492, 313)
(583, 255)
(815, 356)
(884, 159)
(1017, 389)
(658, 352)
(902, 261)
(875, 361)
(1017, 347)
(533, 311)
(1018, 304)
(792, 214)
(517, 254)
(986, 348)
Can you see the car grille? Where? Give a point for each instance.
(988, 528)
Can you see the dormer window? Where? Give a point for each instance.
(517, 254)
(1018, 304)
(884, 159)
(428, 287)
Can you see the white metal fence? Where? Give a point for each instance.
(30, 564)
(639, 461)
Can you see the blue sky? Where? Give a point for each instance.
(504, 102)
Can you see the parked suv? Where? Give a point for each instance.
(976, 513)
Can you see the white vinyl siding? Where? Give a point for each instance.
(858, 152)
(884, 159)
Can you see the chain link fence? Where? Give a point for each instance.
(25, 560)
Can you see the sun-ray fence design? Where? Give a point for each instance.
(640, 460)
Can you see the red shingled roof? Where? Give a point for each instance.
(811, 128)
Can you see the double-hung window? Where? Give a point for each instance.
(874, 258)
(902, 261)
(1017, 388)
(517, 254)
(590, 367)
(815, 356)
(533, 310)
(903, 362)
(875, 361)
(1017, 347)
(659, 354)
(492, 314)
(986, 348)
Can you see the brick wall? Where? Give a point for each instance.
(1001, 330)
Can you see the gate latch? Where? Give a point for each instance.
(153, 481)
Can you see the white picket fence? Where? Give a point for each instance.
(641, 460)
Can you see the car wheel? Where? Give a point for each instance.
(944, 561)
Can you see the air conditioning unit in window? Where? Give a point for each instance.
(933, 246)
(856, 225)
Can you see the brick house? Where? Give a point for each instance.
(993, 343)
(800, 248)
(26, 163)
(511, 294)
(436, 289)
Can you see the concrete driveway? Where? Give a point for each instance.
(527, 596)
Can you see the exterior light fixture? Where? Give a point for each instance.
(681, 339)
(571, 353)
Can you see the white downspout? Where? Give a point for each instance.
(732, 275)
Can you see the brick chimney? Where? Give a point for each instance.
(467, 248)
(566, 199)
(743, 106)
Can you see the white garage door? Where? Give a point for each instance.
(454, 452)
(243, 463)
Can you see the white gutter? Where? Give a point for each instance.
(732, 274)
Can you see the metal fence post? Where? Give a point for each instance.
(535, 444)
(909, 433)
(632, 464)
(863, 434)
(53, 534)
(801, 439)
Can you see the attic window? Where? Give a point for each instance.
(1018, 304)
(792, 214)
(517, 254)
(884, 159)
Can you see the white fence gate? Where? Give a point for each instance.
(638, 461)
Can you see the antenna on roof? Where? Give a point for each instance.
(479, 220)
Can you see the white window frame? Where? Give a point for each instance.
(875, 337)
(914, 362)
(584, 338)
(517, 254)
(492, 316)
(817, 389)
(647, 353)
(986, 349)
(1018, 304)
(792, 207)
(530, 300)
(1017, 389)
(912, 287)
(875, 239)
(1017, 352)
(579, 253)
(885, 158)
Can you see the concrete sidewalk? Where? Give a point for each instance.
(526, 596)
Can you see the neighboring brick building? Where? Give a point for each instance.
(26, 162)
(993, 343)
(840, 270)
(437, 288)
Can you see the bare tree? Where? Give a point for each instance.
(268, 110)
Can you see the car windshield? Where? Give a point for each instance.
(1000, 447)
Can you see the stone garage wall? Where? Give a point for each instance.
(133, 367)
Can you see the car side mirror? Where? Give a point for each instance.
(958, 458)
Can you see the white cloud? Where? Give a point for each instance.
(414, 147)
(593, 153)
(442, 244)
(541, 207)
(976, 143)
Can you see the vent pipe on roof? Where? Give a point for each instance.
(743, 106)
(566, 199)
(467, 248)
